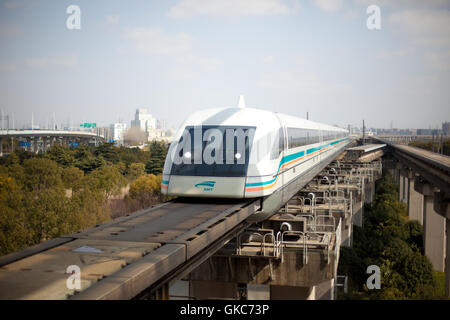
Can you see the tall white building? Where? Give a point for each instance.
(143, 120)
(161, 125)
(155, 129)
(118, 130)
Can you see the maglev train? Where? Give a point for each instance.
(239, 152)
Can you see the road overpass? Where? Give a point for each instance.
(35, 140)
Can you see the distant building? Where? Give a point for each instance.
(118, 130)
(105, 132)
(428, 132)
(446, 128)
(153, 128)
(143, 120)
(161, 125)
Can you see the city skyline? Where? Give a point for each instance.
(176, 57)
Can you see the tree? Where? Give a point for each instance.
(145, 189)
(155, 164)
(14, 233)
(136, 170)
(62, 155)
(108, 179)
(41, 174)
(86, 161)
(108, 152)
(72, 178)
(47, 213)
(121, 166)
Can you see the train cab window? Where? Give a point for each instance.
(220, 151)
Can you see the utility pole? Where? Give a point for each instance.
(307, 115)
(364, 133)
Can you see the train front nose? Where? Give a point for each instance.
(203, 186)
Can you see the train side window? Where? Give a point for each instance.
(297, 137)
(313, 136)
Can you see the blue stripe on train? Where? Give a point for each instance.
(290, 158)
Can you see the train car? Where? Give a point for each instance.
(239, 152)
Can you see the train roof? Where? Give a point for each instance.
(252, 117)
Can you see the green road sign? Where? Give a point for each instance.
(89, 125)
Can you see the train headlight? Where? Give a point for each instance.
(187, 155)
(237, 155)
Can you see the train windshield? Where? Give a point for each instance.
(220, 151)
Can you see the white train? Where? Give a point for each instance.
(248, 153)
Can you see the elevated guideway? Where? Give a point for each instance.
(424, 186)
(122, 258)
(434, 167)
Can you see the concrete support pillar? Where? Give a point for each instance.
(401, 191)
(433, 225)
(28, 146)
(258, 292)
(369, 192)
(442, 207)
(325, 290)
(35, 145)
(397, 175)
(162, 293)
(1, 147)
(292, 293)
(415, 203)
(434, 234)
(406, 189)
(447, 259)
(44, 144)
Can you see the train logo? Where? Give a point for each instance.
(206, 185)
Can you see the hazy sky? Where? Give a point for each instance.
(175, 57)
